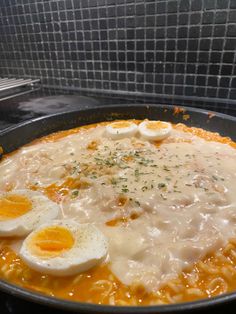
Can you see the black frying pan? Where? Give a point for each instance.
(21, 134)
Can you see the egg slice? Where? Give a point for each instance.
(64, 248)
(121, 129)
(154, 130)
(21, 211)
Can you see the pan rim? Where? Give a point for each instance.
(114, 106)
(83, 307)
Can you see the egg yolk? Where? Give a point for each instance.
(156, 125)
(51, 242)
(121, 124)
(13, 206)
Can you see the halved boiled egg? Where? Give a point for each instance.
(21, 211)
(154, 130)
(64, 248)
(121, 129)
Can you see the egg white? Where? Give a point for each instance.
(43, 210)
(89, 248)
(122, 132)
(154, 134)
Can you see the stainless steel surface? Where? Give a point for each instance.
(18, 94)
(10, 83)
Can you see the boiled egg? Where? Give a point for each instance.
(154, 130)
(64, 248)
(121, 129)
(21, 211)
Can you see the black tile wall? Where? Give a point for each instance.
(166, 47)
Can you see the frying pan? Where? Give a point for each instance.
(12, 138)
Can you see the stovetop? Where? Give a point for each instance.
(48, 101)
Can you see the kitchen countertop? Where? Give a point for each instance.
(48, 101)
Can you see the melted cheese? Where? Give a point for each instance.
(163, 207)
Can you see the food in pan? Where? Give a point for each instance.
(21, 211)
(121, 213)
(64, 248)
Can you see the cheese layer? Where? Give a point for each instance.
(162, 206)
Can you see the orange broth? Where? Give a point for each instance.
(99, 285)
